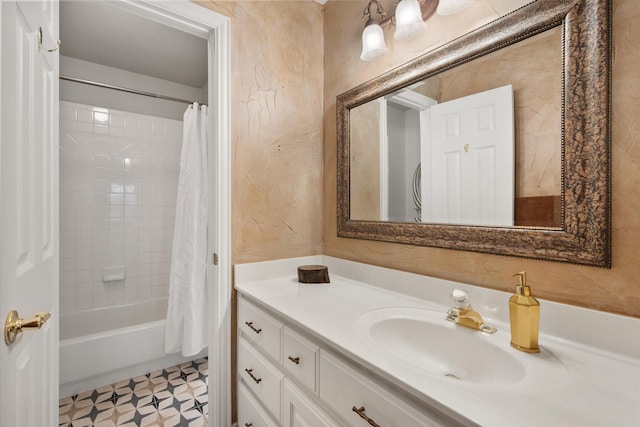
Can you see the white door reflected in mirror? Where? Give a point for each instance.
(467, 145)
(472, 160)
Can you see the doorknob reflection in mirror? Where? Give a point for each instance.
(14, 324)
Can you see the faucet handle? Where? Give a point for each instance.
(460, 298)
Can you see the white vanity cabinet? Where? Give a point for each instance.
(287, 378)
(343, 354)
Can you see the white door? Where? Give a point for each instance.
(29, 210)
(472, 160)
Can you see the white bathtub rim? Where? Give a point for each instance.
(84, 323)
(110, 333)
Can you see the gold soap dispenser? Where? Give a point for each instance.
(524, 313)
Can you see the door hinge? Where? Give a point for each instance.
(215, 258)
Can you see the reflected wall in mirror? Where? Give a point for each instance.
(411, 170)
(466, 176)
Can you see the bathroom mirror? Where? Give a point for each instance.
(546, 194)
(478, 144)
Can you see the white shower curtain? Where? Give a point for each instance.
(187, 316)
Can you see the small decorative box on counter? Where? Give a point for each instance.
(313, 274)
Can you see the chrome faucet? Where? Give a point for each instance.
(464, 315)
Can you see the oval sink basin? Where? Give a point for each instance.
(425, 340)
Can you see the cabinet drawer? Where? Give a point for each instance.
(301, 411)
(250, 413)
(261, 377)
(343, 389)
(260, 328)
(300, 359)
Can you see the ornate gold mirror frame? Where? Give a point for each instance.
(585, 236)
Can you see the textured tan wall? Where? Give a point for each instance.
(616, 290)
(276, 128)
(276, 132)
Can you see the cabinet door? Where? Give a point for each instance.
(250, 412)
(300, 411)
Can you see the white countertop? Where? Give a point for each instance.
(588, 386)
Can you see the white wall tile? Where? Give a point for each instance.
(144, 293)
(144, 269)
(68, 291)
(85, 127)
(68, 305)
(68, 264)
(68, 224)
(68, 198)
(84, 302)
(117, 204)
(84, 262)
(85, 116)
(101, 129)
(68, 278)
(85, 289)
(68, 113)
(117, 120)
(84, 182)
(116, 131)
(100, 299)
(84, 276)
(131, 295)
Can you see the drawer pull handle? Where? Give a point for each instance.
(253, 328)
(253, 377)
(360, 411)
(295, 360)
(248, 424)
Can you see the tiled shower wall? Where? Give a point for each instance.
(118, 182)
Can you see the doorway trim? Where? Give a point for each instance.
(214, 27)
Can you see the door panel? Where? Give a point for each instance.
(29, 210)
(24, 172)
(472, 160)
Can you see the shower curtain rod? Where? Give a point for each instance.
(125, 89)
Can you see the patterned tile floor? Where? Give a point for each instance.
(175, 396)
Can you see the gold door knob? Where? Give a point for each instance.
(14, 325)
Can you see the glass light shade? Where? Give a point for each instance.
(373, 45)
(409, 21)
(449, 7)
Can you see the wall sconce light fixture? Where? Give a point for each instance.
(409, 22)
(373, 45)
(409, 19)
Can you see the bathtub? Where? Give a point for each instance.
(101, 346)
